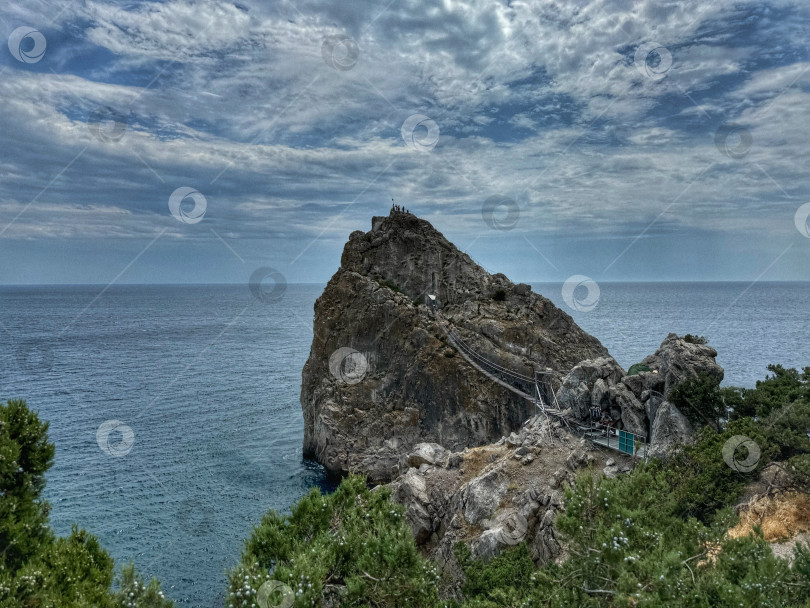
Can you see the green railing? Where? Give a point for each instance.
(617, 439)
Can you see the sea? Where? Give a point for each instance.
(175, 409)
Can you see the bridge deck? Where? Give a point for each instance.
(612, 442)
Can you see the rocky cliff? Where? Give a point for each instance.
(637, 402)
(496, 496)
(382, 375)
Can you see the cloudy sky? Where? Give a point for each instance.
(194, 141)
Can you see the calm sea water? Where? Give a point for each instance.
(208, 379)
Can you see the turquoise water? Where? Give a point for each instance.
(208, 379)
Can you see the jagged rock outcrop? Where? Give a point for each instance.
(676, 360)
(382, 374)
(499, 495)
(670, 427)
(638, 403)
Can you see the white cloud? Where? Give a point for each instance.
(539, 101)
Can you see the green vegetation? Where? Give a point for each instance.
(352, 546)
(37, 569)
(390, 285)
(637, 368)
(654, 537)
(499, 295)
(695, 339)
(701, 400)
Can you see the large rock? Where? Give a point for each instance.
(381, 375)
(634, 402)
(411, 491)
(677, 360)
(482, 496)
(494, 499)
(670, 427)
(427, 453)
(586, 383)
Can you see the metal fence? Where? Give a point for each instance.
(618, 439)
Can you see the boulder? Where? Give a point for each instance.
(576, 397)
(428, 453)
(600, 394)
(482, 495)
(651, 405)
(677, 360)
(669, 428)
(522, 289)
(411, 491)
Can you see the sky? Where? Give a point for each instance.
(197, 141)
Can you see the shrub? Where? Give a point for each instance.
(700, 479)
(781, 387)
(637, 368)
(503, 580)
(499, 295)
(701, 400)
(391, 285)
(695, 339)
(352, 547)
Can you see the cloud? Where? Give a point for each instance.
(541, 102)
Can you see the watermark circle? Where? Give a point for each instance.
(419, 121)
(733, 141)
(195, 517)
(259, 288)
(514, 529)
(573, 296)
(500, 212)
(802, 220)
(652, 60)
(122, 447)
(340, 52)
(731, 456)
(107, 125)
(34, 357)
(187, 216)
(16, 44)
(264, 597)
(348, 365)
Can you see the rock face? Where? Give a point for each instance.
(497, 496)
(676, 360)
(638, 403)
(382, 375)
(669, 427)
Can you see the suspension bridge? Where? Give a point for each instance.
(539, 390)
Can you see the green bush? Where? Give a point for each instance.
(701, 400)
(391, 285)
(501, 580)
(695, 339)
(499, 295)
(701, 481)
(637, 368)
(352, 548)
(781, 387)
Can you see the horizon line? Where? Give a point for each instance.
(546, 282)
